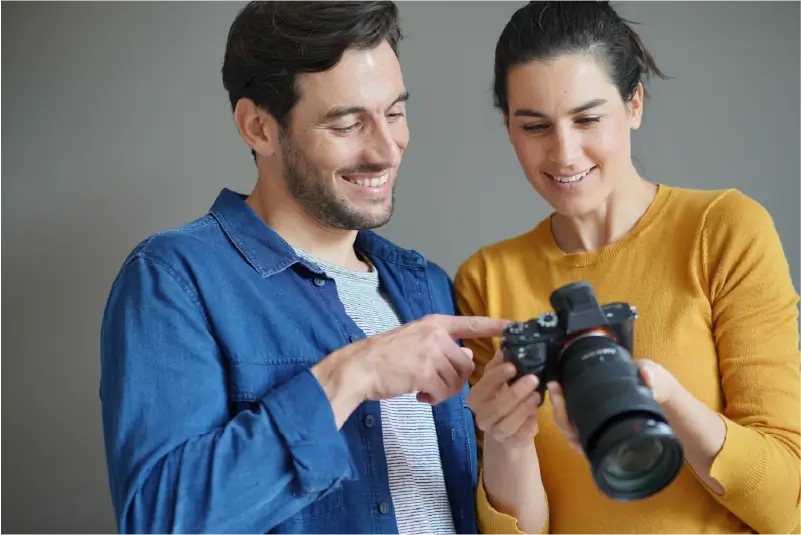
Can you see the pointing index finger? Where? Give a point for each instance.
(474, 326)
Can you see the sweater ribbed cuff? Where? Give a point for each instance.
(492, 521)
(742, 463)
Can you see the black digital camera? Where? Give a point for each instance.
(587, 349)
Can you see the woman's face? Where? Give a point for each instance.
(571, 130)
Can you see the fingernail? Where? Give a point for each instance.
(646, 376)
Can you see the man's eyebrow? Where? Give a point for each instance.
(403, 97)
(526, 112)
(341, 111)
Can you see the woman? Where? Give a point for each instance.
(717, 337)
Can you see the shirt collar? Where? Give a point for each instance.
(268, 253)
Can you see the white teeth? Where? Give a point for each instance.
(372, 182)
(573, 178)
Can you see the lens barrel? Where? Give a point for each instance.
(622, 429)
(635, 457)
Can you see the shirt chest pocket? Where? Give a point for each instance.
(322, 508)
(248, 383)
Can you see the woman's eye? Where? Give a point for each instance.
(535, 127)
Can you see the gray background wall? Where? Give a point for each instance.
(117, 126)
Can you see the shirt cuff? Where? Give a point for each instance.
(492, 521)
(303, 416)
(742, 463)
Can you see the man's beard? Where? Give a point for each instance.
(312, 189)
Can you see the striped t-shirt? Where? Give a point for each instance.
(410, 439)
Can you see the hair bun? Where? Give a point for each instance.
(604, 3)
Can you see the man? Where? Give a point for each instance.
(272, 366)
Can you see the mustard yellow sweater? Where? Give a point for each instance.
(718, 309)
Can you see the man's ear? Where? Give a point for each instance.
(257, 127)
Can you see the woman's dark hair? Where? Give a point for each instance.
(270, 43)
(544, 30)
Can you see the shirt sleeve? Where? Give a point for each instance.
(755, 320)
(468, 287)
(178, 460)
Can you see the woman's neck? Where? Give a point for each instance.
(612, 220)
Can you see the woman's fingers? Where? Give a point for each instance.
(509, 427)
(560, 416)
(492, 409)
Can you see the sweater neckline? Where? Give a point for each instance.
(551, 249)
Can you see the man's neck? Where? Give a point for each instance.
(613, 219)
(282, 213)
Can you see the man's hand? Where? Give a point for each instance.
(421, 356)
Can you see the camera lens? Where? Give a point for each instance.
(632, 459)
(642, 463)
(632, 450)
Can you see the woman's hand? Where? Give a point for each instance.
(506, 414)
(508, 417)
(661, 382)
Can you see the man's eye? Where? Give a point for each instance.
(347, 129)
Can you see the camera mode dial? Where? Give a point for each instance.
(547, 320)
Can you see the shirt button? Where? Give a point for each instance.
(354, 337)
(369, 420)
(319, 281)
(383, 508)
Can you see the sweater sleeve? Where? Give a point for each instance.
(469, 286)
(755, 321)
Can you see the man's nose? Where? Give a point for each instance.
(382, 148)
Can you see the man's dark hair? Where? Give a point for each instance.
(545, 30)
(270, 43)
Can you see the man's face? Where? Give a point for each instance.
(345, 139)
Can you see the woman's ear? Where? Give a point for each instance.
(635, 107)
(505, 117)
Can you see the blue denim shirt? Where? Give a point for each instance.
(212, 420)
